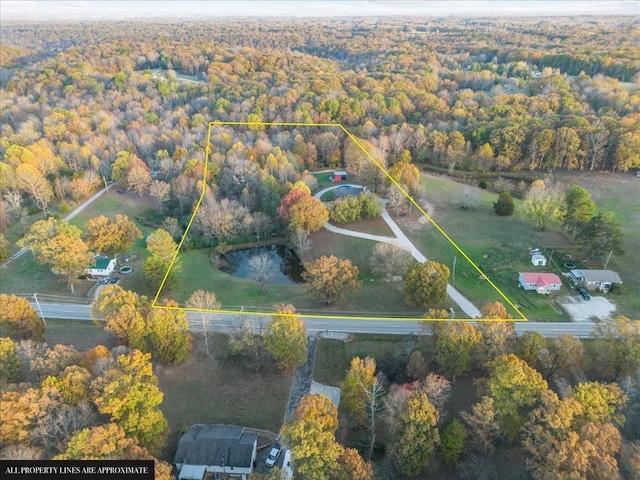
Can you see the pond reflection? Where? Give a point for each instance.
(287, 268)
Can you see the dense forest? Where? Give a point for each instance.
(84, 104)
(476, 95)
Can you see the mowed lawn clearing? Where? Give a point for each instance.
(499, 246)
(25, 276)
(619, 193)
(219, 389)
(333, 357)
(377, 298)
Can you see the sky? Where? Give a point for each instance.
(51, 10)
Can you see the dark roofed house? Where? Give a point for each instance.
(596, 279)
(224, 449)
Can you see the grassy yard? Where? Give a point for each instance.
(333, 357)
(497, 245)
(619, 193)
(218, 389)
(83, 335)
(25, 276)
(375, 298)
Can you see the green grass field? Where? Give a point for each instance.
(333, 357)
(499, 245)
(619, 193)
(375, 299)
(25, 276)
(218, 389)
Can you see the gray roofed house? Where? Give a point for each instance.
(225, 449)
(596, 279)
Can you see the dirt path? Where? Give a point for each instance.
(402, 241)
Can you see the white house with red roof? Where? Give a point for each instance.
(540, 282)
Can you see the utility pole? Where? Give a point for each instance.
(106, 185)
(453, 275)
(608, 258)
(35, 297)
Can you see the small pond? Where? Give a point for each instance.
(287, 268)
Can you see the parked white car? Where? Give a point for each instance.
(273, 455)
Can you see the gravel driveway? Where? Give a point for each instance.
(585, 310)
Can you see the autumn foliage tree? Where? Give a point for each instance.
(426, 284)
(286, 337)
(561, 444)
(19, 318)
(124, 313)
(353, 390)
(418, 436)
(128, 393)
(111, 237)
(57, 243)
(513, 384)
(316, 453)
(11, 368)
(318, 408)
(330, 278)
(163, 249)
(168, 333)
(455, 343)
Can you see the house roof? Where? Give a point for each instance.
(537, 256)
(340, 173)
(215, 445)
(102, 262)
(541, 279)
(192, 472)
(597, 276)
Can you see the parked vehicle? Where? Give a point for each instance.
(105, 280)
(115, 280)
(273, 455)
(584, 293)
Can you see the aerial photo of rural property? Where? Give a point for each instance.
(320, 240)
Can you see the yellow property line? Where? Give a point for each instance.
(383, 170)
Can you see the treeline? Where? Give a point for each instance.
(418, 91)
(403, 409)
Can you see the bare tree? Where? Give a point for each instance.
(397, 198)
(468, 197)
(247, 340)
(261, 225)
(374, 394)
(159, 190)
(437, 389)
(390, 261)
(299, 241)
(204, 302)
(261, 268)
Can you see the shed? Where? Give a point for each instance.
(338, 176)
(538, 260)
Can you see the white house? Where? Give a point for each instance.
(217, 449)
(601, 280)
(538, 260)
(542, 283)
(103, 266)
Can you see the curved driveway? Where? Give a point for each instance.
(403, 242)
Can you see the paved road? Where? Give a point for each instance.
(226, 322)
(80, 208)
(402, 241)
